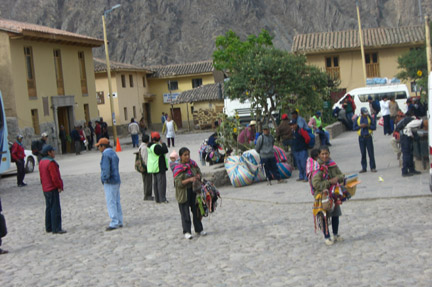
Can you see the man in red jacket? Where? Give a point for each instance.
(52, 185)
(18, 157)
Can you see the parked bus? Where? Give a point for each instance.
(4, 146)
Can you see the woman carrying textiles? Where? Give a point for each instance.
(186, 173)
(327, 177)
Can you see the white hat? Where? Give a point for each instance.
(44, 134)
(252, 123)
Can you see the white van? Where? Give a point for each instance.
(360, 96)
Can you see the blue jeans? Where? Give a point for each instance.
(53, 221)
(135, 142)
(112, 196)
(366, 143)
(300, 158)
(324, 136)
(270, 168)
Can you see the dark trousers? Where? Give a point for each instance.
(335, 227)
(185, 213)
(147, 183)
(77, 147)
(366, 143)
(20, 171)
(168, 141)
(63, 146)
(270, 168)
(387, 128)
(159, 186)
(90, 140)
(53, 221)
(407, 154)
(3, 229)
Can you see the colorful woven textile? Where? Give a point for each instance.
(238, 171)
(285, 169)
(279, 154)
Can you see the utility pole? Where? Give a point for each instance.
(361, 43)
(428, 45)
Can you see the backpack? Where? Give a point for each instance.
(403, 123)
(311, 143)
(139, 163)
(376, 106)
(10, 152)
(35, 147)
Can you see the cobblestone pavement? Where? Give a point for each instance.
(259, 236)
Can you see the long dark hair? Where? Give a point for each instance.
(183, 150)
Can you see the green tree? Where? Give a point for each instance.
(269, 78)
(414, 68)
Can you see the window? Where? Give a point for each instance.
(125, 114)
(45, 105)
(144, 81)
(196, 83)
(86, 112)
(332, 67)
(58, 72)
(35, 121)
(172, 85)
(83, 74)
(100, 97)
(31, 81)
(123, 80)
(134, 112)
(372, 65)
(131, 81)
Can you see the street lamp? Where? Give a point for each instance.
(113, 120)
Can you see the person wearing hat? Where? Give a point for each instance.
(38, 145)
(52, 186)
(110, 178)
(264, 147)
(157, 164)
(301, 122)
(284, 132)
(247, 135)
(315, 123)
(374, 106)
(299, 149)
(18, 156)
(146, 177)
(365, 125)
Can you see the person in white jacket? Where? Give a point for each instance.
(169, 128)
(134, 130)
(385, 112)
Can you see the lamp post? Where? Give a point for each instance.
(113, 120)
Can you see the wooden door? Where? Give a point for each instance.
(63, 120)
(176, 115)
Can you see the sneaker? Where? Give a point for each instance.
(338, 238)
(362, 171)
(268, 182)
(329, 242)
(282, 181)
(188, 236)
(415, 172)
(202, 233)
(109, 228)
(373, 170)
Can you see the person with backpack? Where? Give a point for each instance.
(157, 164)
(18, 156)
(38, 145)
(146, 177)
(299, 148)
(187, 174)
(374, 107)
(328, 175)
(365, 125)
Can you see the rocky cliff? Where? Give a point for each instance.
(148, 32)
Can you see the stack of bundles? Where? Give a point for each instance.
(238, 172)
(253, 162)
(284, 167)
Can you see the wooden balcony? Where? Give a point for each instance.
(334, 73)
(372, 70)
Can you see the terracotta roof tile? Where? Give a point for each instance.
(201, 94)
(23, 28)
(349, 39)
(181, 69)
(100, 66)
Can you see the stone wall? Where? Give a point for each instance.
(204, 118)
(335, 129)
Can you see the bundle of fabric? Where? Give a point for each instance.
(253, 162)
(280, 154)
(285, 169)
(238, 172)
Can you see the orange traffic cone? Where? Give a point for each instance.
(118, 146)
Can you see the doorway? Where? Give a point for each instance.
(64, 119)
(176, 116)
(147, 115)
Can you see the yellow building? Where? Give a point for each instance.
(338, 53)
(130, 90)
(179, 77)
(47, 79)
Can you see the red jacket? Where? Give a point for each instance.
(17, 152)
(50, 174)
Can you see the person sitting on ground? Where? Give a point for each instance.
(186, 173)
(264, 147)
(328, 175)
(315, 123)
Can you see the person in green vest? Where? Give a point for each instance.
(157, 164)
(315, 123)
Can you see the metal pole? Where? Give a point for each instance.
(187, 110)
(361, 43)
(428, 45)
(113, 120)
